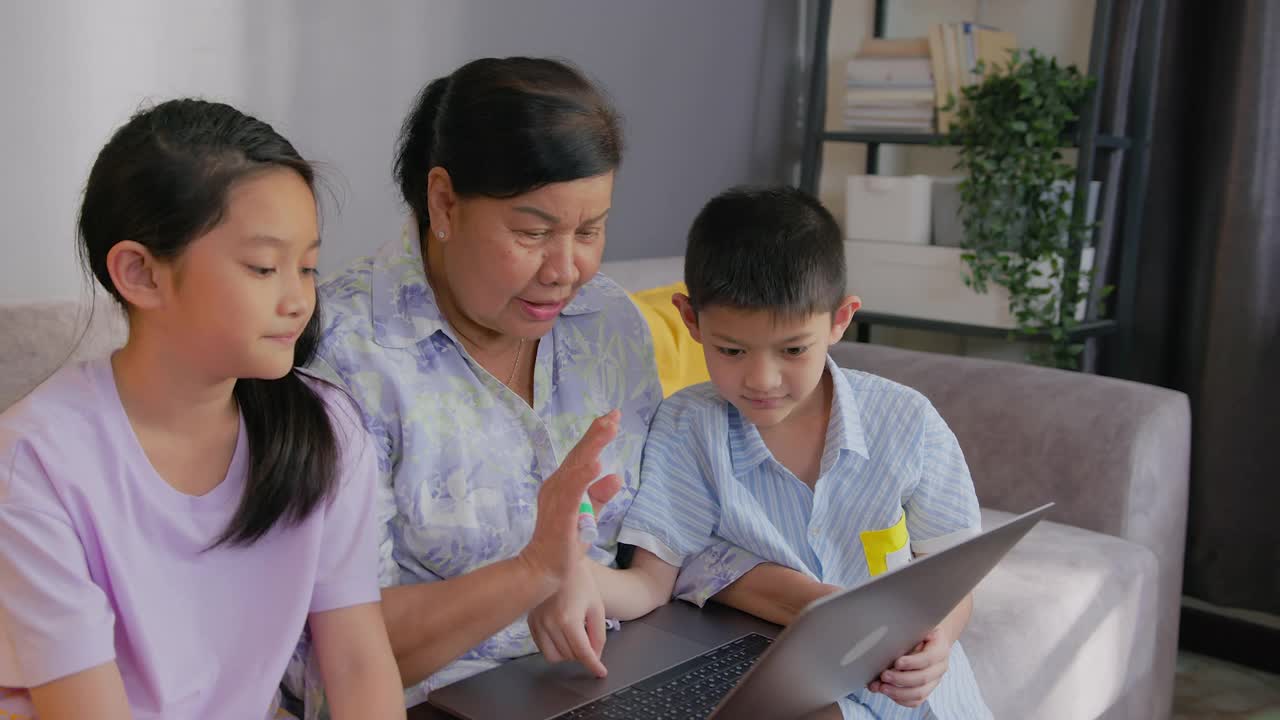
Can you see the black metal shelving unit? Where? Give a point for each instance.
(1124, 92)
(907, 138)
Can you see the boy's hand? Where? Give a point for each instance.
(569, 625)
(913, 676)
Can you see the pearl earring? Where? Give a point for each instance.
(440, 234)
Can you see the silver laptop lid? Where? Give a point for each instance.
(843, 641)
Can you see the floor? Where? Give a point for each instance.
(1212, 689)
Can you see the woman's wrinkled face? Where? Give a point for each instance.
(512, 264)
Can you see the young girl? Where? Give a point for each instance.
(172, 515)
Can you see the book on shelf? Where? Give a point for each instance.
(894, 128)
(955, 49)
(911, 112)
(938, 65)
(888, 96)
(911, 72)
(874, 47)
(889, 86)
(890, 79)
(914, 117)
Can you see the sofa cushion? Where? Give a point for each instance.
(681, 362)
(40, 337)
(1066, 609)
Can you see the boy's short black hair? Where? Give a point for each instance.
(772, 248)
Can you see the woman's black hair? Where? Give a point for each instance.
(162, 180)
(505, 126)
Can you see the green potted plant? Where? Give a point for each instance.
(1015, 198)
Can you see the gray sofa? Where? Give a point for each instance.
(1079, 621)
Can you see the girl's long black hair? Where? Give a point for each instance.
(162, 181)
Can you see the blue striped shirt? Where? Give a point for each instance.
(889, 462)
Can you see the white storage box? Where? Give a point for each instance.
(927, 282)
(888, 209)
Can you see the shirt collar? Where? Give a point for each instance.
(404, 306)
(746, 447)
(844, 428)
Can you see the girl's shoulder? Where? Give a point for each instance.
(73, 387)
(60, 432)
(73, 403)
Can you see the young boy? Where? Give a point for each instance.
(826, 476)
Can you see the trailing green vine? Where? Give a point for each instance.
(1017, 192)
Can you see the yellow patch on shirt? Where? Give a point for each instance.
(887, 549)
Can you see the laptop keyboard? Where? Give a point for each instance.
(689, 690)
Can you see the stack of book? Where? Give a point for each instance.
(890, 87)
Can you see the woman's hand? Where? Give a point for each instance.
(433, 623)
(554, 550)
(570, 624)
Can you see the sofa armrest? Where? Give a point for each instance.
(1110, 453)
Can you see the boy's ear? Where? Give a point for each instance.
(843, 315)
(137, 275)
(687, 314)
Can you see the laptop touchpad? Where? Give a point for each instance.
(632, 654)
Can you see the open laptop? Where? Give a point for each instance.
(681, 662)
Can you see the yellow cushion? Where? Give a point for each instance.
(680, 359)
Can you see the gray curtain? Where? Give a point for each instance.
(1207, 305)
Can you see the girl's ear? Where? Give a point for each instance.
(137, 275)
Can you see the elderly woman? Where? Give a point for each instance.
(480, 346)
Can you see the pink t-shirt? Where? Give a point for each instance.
(101, 559)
